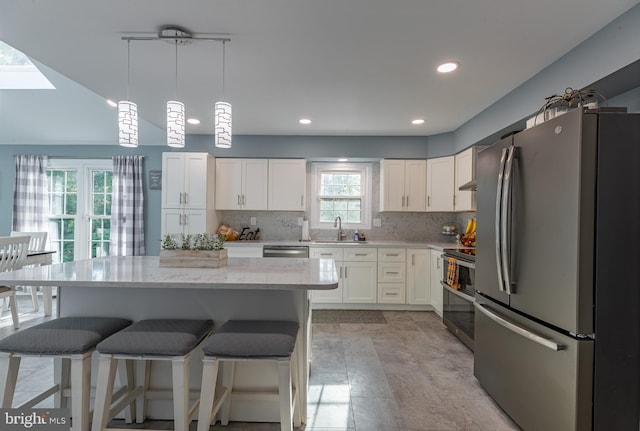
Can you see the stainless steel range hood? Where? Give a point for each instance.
(471, 185)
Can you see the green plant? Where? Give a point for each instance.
(202, 241)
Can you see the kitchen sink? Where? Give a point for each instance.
(336, 242)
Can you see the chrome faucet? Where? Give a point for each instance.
(338, 223)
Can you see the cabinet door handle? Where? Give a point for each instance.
(326, 254)
(238, 200)
(301, 201)
(438, 263)
(185, 197)
(413, 260)
(361, 254)
(407, 201)
(402, 201)
(345, 272)
(454, 200)
(340, 272)
(392, 272)
(428, 200)
(180, 197)
(186, 219)
(244, 200)
(391, 293)
(180, 219)
(391, 254)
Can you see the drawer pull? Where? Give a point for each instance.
(361, 254)
(391, 293)
(392, 254)
(392, 272)
(326, 254)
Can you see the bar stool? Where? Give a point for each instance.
(149, 340)
(72, 339)
(250, 340)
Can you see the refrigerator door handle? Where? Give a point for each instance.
(505, 234)
(498, 218)
(546, 342)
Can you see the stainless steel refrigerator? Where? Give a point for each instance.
(557, 327)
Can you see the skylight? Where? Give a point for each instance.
(17, 72)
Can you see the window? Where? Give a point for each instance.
(79, 208)
(341, 190)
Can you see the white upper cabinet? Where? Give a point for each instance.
(440, 184)
(187, 193)
(403, 185)
(465, 200)
(241, 184)
(187, 180)
(287, 184)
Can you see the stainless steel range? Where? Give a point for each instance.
(458, 293)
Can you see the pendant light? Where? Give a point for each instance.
(128, 115)
(175, 116)
(222, 113)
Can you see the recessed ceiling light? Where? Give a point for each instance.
(193, 121)
(417, 121)
(304, 121)
(343, 159)
(112, 103)
(448, 67)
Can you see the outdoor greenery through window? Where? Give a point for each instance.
(342, 190)
(80, 208)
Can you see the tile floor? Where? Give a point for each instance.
(409, 374)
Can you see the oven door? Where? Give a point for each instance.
(458, 313)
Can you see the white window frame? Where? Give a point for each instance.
(84, 167)
(316, 171)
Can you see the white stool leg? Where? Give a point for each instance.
(228, 373)
(284, 385)
(180, 374)
(207, 393)
(47, 300)
(13, 304)
(62, 375)
(34, 297)
(9, 367)
(81, 390)
(297, 417)
(104, 391)
(126, 378)
(143, 375)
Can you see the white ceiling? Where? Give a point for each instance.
(355, 67)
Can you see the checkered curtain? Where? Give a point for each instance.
(30, 200)
(127, 207)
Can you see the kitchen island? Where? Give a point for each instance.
(247, 288)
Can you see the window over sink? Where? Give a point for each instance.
(341, 190)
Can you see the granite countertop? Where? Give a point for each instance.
(145, 272)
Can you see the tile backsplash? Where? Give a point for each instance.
(276, 226)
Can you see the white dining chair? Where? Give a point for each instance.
(38, 242)
(13, 251)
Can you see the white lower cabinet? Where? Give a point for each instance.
(436, 277)
(391, 275)
(418, 276)
(333, 296)
(359, 278)
(187, 222)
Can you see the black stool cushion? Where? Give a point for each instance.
(157, 337)
(63, 336)
(253, 339)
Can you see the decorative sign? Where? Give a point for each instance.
(155, 180)
(248, 234)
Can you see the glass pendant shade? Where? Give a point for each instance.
(127, 124)
(175, 124)
(222, 124)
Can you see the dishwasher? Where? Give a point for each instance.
(285, 251)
